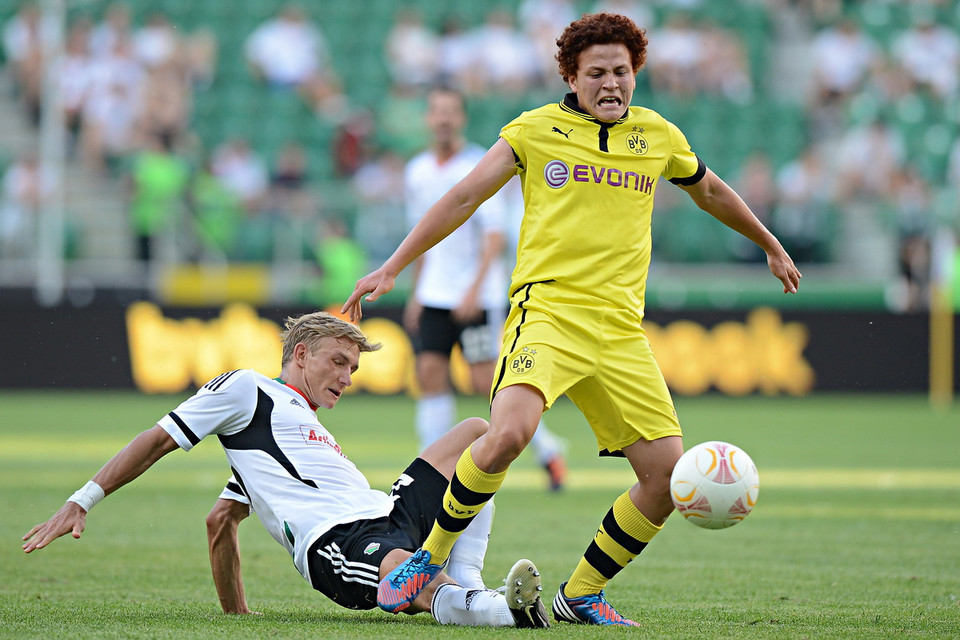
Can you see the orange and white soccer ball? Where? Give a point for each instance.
(714, 485)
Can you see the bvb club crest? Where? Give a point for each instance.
(523, 361)
(636, 143)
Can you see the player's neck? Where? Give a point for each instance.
(313, 406)
(447, 149)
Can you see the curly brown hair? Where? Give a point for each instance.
(600, 28)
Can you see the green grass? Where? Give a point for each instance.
(856, 534)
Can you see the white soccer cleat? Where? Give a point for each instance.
(522, 591)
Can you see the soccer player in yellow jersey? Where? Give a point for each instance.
(589, 167)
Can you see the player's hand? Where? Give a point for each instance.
(376, 284)
(71, 518)
(781, 265)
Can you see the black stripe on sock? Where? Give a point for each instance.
(467, 497)
(621, 537)
(447, 522)
(600, 561)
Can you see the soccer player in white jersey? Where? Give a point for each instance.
(460, 285)
(343, 536)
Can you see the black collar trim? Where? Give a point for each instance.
(571, 104)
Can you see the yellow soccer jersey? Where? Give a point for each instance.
(588, 196)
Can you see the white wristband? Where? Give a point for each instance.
(89, 495)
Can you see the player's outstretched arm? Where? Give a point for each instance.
(717, 198)
(224, 546)
(493, 171)
(128, 464)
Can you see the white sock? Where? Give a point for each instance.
(453, 604)
(546, 444)
(466, 558)
(435, 416)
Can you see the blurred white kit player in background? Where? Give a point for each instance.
(460, 284)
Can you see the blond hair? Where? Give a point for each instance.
(310, 328)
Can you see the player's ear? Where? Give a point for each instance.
(300, 351)
(572, 83)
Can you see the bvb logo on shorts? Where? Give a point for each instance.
(523, 361)
(637, 144)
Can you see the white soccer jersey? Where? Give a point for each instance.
(298, 481)
(450, 267)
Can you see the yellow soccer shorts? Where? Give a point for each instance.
(558, 341)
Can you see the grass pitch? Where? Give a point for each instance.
(856, 534)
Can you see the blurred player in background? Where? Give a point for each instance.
(342, 535)
(460, 284)
(589, 166)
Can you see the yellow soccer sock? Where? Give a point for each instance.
(469, 490)
(623, 534)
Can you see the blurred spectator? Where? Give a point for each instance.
(26, 187)
(637, 10)
(505, 59)
(724, 69)
(112, 108)
(457, 56)
(843, 57)
(217, 215)
(243, 172)
(117, 25)
(351, 142)
(290, 195)
(341, 260)
(543, 21)
(24, 38)
(378, 185)
(200, 57)
(802, 217)
(167, 103)
(288, 51)
(913, 204)
(757, 185)
(75, 71)
(156, 43)
(867, 160)
(411, 51)
(157, 185)
(674, 56)
(930, 53)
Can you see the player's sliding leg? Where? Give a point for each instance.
(465, 564)
(518, 605)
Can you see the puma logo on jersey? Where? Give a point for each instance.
(565, 134)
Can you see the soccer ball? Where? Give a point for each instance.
(714, 485)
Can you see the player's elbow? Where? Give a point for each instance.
(224, 518)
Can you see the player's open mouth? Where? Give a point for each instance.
(610, 102)
(336, 394)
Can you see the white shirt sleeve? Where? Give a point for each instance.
(223, 406)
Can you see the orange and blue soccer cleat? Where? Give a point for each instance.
(401, 587)
(589, 609)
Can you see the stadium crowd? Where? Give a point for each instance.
(871, 176)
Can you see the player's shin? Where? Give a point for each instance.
(622, 535)
(469, 490)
